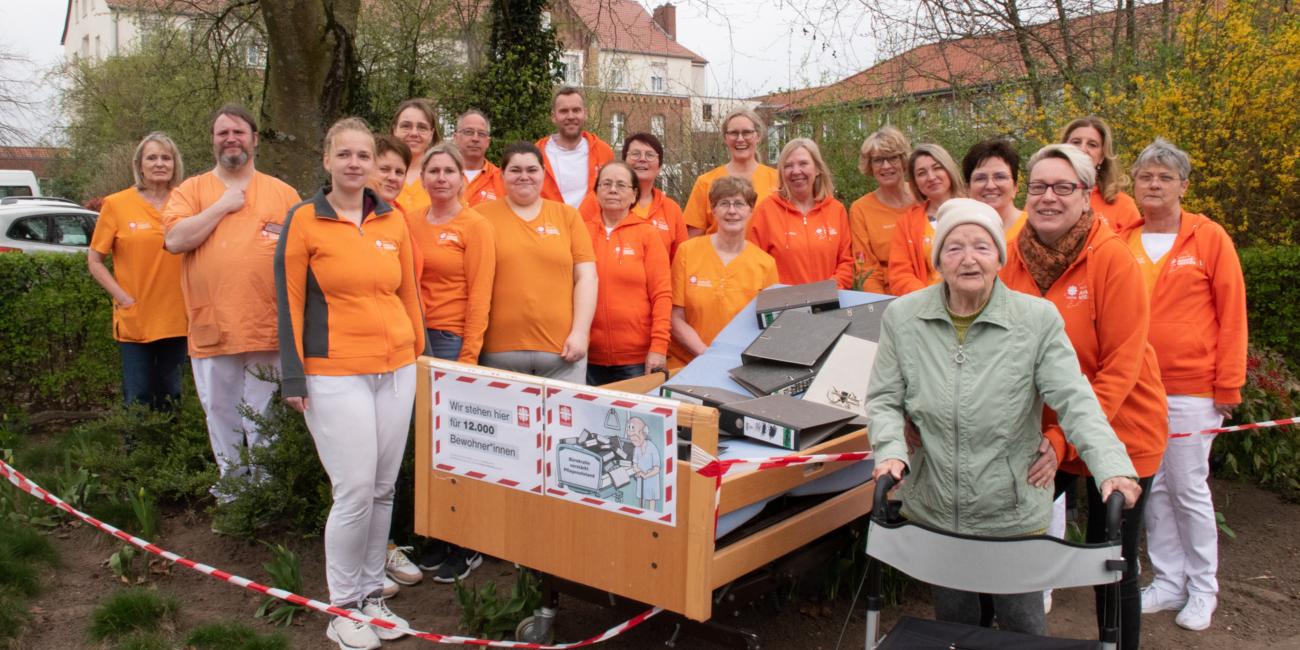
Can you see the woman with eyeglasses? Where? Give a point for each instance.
(992, 172)
(1093, 136)
(873, 217)
(935, 178)
(630, 332)
(715, 276)
(742, 132)
(1066, 255)
(645, 155)
(415, 123)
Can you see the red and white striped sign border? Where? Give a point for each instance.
(26, 485)
(443, 464)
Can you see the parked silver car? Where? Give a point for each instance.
(30, 224)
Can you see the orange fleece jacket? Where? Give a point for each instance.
(872, 224)
(487, 186)
(457, 265)
(634, 298)
(1198, 311)
(663, 213)
(1117, 215)
(1103, 300)
(349, 300)
(807, 248)
(598, 153)
(909, 253)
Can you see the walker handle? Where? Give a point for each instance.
(1114, 516)
(879, 506)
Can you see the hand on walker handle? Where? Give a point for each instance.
(1042, 473)
(890, 466)
(298, 404)
(1126, 486)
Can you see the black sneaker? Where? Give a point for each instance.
(435, 553)
(458, 566)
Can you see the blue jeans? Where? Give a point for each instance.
(601, 375)
(444, 344)
(151, 372)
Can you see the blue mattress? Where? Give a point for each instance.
(710, 369)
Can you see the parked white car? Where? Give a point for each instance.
(41, 224)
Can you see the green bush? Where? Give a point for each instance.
(1270, 457)
(132, 610)
(56, 347)
(1273, 297)
(233, 636)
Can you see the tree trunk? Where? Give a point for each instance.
(1067, 40)
(309, 79)
(1026, 56)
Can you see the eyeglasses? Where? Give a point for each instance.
(470, 133)
(881, 161)
(418, 128)
(643, 155)
(999, 177)
(729, 205)
(616, 185)
(1038, 188)
(1163, 179)
(743, 133)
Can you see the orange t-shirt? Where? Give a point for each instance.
(872, 226)
(131, 231)
(712, 293)
(487, 186)
(807, 248)
(1198, 309)
(1117, 215)
(228, 281)
(634, 300)
(662, 213)
(1103, 300)
(457, 264)
(413, 196)
(532, 294)
(699, 212)
(910, 267)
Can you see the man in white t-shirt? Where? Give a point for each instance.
(571, 156)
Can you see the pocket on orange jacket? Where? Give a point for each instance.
(204, 331)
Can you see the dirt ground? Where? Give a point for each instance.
(1259, 603)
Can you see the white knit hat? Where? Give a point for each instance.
(957, 212)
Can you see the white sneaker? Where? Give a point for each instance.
(390, 588)
(1198, 612)
(375, 607)
(350, 634)
(1156, 600)
(400, 568)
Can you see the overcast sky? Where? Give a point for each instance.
(753, 47)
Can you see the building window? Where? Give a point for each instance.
(657, 126)
(707, 112)
(656, 84)
(99, 53)
(85, 46)
(658, 77)
(254, 56)
(571, 68)
(616, 123)
(616, 78)
(775, 140)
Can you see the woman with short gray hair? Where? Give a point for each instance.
(1198, 329)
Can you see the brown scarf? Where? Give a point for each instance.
(1046, 262)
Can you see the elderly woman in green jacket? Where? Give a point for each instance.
(969, 364)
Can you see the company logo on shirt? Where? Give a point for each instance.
(662, 225)
(820, 232)
(488, 195)
(1076, 294)
(547, 229)
(448, 238)
(626, 251)
(700, 282)
(386, 246)
(1184, 260)
(143, 225)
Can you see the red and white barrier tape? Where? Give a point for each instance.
(26, 485)
(1240, 427)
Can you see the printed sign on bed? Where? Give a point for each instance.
(487, 425)
(612, 450)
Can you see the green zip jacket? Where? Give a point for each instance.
(978, 407)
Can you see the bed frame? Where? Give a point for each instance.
(676, 568)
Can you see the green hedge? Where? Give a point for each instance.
(56, 345)
(1273, 293)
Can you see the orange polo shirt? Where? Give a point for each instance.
(699, 212)
(1117, 215)
(1198, 309)
(487, 186)
(457, 264)
(351, 302)
(131, 231)
(909, 252)
(712, 293)
(598, 153)
(1103, 300)
(532, 294)
(872, 226)
(228, 281)
(634, 300)
(662, 213)
(807, 248)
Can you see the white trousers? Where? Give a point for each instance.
(1182, 535)
(224, 383)
(359, 423)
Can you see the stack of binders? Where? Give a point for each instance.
(785, 356)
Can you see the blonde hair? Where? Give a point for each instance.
(1078, 160)
(750, 115)
(941, 156)
(823, 185)
(347, 124)
(888, 141)
(453, 152)
(137, 160)
(1110, 180)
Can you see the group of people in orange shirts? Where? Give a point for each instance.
(564, 262)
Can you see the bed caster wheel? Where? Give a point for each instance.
(536, 629)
